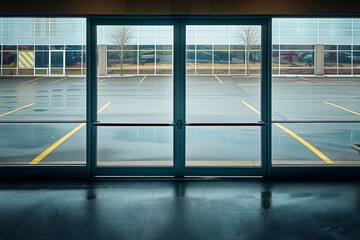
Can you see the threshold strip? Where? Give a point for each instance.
(297, 137)
(62, 79)
(15, 110)
(142, 79)
(30, 81)
(342, 108)
(63, 139)
(218, 79)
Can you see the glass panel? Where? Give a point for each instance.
(237, 59)
(41, 59)
(24, 39)
(9, 58)
(296, 62)
(73, 62)
(330, 60)
(42, 47)
(221, 59)
(223, 147)
(129, 60)
(57, 47)
(317, 97)
(190, 59)
(131, 55)
(42, 144)
(295, 98)
(135, 147)
(42, 98)
(26, 97)
(356, 63)
(147, 59)
(324, 144)
(204, 59)
(219, 98)
(164, 63)
(57, 63)
(57, 59)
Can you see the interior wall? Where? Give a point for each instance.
(179, 7)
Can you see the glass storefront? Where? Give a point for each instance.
(201, 99)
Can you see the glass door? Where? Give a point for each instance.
(178, 97)
(132, 124)
(225, 98)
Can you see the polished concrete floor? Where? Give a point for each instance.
(196, 209)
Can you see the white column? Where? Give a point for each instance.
(319, 59)
(102, 60)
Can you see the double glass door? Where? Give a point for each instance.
(178, 98)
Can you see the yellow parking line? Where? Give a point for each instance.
(63, 139)
(62, 79)
(251, 107)
(56, 144)
(102, 80)
(218, 79)
(103, 107)
(345, 109)
(142, 79)
(15, 110)
(30, 81)
(297, 137)
(305, 143)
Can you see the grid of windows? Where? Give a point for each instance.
(293, 47)
(42, 46)
(294, 40)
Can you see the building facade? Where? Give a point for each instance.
(56, 46)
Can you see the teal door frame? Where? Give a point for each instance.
(179, 123)
(265, 99)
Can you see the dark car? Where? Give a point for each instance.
(307, 58)
(149, 57)
(202, 57)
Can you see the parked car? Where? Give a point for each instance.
(202, 57)
(149, 57)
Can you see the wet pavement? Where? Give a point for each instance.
(149, 100)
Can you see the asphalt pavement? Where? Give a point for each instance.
(61, 102)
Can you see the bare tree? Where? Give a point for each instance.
(250, 36)
(120, 36)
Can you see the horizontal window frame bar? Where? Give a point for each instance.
(40, 121)
(315, 121)
(97, 124)
(259, 124)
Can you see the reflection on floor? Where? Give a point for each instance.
(197, 209)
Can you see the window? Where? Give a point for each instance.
(316, 119)
(42, 117)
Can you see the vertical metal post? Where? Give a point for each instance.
(176, 108)
(91, 98)
(266, 97)
(181, 42)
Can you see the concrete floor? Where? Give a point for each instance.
(192, 209)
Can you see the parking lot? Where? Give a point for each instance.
(56, 106)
